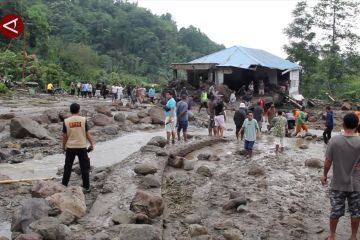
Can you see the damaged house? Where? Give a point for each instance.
(238, 66)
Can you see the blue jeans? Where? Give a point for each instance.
(249, 145)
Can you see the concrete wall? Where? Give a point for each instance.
(219, 76)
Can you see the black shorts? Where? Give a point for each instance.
(182, 125)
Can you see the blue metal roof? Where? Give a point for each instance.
(243, 57)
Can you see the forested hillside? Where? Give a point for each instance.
(96, 40)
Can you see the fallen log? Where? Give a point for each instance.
(26, 180)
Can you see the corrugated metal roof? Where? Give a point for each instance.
(243, 57)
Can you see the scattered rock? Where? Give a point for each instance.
(256, 170)
(203, 156)
(153, 143)
(176, 161)
(34, 142)
(146, 120)
(214, 158)
(133, 118)
(162, 153)
(4, 156)
(308, 138)
(233, 234)
(104, 110)
(141, 218)
(44, 189)
(64, 115)
(204, 170)
(71, 201)
(38, 156)
(120, 117)
(145, 169)
(33, 209)
(148, 204)
(151, 181)
(138, 232)
(101, 120)
(234, 203)
(157, 115)
(192, 219)
(150, 148)
(142, 114)
(29, 236)
(346, 106)
(110, 130)
(14, 152)
(52, 115)
(7, 116)
(235, 194)
(123, 217)
(41, 119)
(303, 146)
(189, 165)
(26, 127)
(313, 119)
(242, 152)
(197, 230)
(314, 163)
(51, 229)
(2, 127)
(100, 236)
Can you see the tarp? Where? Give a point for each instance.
(243, 57)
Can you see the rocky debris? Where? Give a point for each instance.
(4, 155)
(7, 116)
(33, 209)
(157, 115)
(233, 234)
(71, 201)
(124, 217)
(137, 232)
(224, 225)
(148, 204)
(150, 148)
(151, 181)
(101, 120)
(41, 119)
(158, 141)
(303, 146)
(52, 115)
(162, 153)
(145, 168)
(106, 110)
(120, 117)
(309, 138)
(234, 203)
(197, 230)
(51, 229)
(34, 142)
(176, 161)
(256, 170)
(313, 119)
(242, 152)
(29, 236)
(26, 127)
(146, 120)
(204, 170)
(64, 115)
(142, 114)
(314, 163)
(133, 118)
(44, 189)
(2, 127)
(99, 236)
(189, 165)
(203, 156)
(346, 106)
(214, 158)
(141, 218)
(192, 219)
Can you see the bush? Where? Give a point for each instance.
(4, 89)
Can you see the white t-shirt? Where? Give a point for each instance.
(113, 89)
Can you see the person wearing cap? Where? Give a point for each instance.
(239, 118)
(75, 136)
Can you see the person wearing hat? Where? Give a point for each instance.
(239, 118)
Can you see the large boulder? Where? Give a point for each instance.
(101, 120)
(120, 117)
(146, 120)
(346, 106)
(160, 141)
(51, 229)
(197, 230)
(138, 232)
(44, 189)
(314, 163)
(204, 170)
(145, 168)
(72, 201)
(52, 115)
(26, 127)
(151, 181)
(123, 217)
(104, 110)
(176, 161)
(157, 115)
(133, 118)
(41, 119)
(32, 210)
(148, 204)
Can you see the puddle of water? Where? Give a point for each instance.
(5, 229)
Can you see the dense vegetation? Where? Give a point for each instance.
(96, 40)
(323, 39)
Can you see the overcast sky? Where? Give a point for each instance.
(248, 23)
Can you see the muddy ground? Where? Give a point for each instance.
(282, 198)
